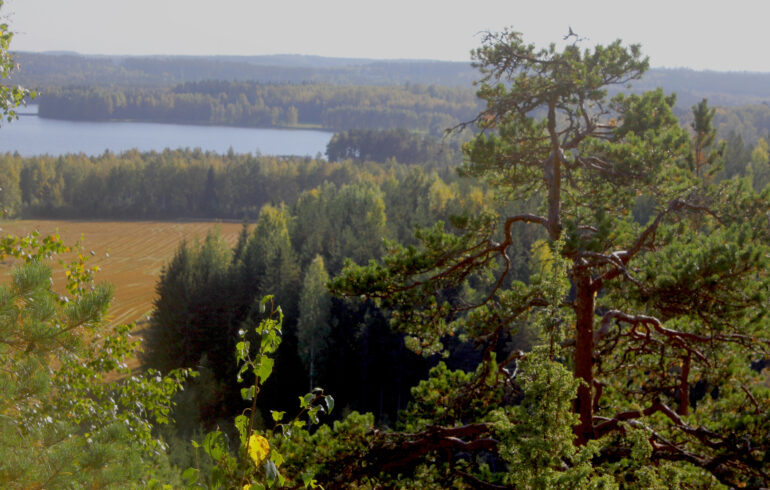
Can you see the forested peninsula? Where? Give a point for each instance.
(430, 109)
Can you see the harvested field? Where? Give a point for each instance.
(130, 254)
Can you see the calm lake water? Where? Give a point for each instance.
(31, 135)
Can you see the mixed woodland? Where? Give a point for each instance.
(569, 289)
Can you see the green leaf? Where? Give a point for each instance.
(242, 424)
(329, 403)
(247, 393)
(304, 401)
(242, 370)
(190, 476)
(276, 457)
(265, 369)
(263, 303)
(277, 416)
(313, 414)
(242, 350)
(218, 477)
(215, 445)
(308, 480)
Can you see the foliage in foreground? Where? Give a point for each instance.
(11, 95)
(71, 413)
(256, 460)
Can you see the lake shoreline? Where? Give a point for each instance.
(296, 127)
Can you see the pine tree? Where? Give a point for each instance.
(656, 323)
(706, 157)
(67, 420)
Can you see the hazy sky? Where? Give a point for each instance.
(703, 34)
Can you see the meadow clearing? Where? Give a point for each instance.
(130, 255)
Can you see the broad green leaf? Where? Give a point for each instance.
(247, 393)
(263, 303)
(218, 477)
(304, 401)
(277, 416)
(242, 424)
(265, 369)
(215, 445)
(190, 476)
(276, 457)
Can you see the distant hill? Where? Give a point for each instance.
(720, 88)
(42, 70)
(58, 69)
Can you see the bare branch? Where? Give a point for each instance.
(614, 259)
(476, 483)
(395, 455)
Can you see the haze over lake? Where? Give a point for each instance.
(31, 135)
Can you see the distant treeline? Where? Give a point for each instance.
(249, 104)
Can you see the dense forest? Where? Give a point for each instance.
(575, 294)
(208, 291)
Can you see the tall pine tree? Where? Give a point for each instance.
(656, 324)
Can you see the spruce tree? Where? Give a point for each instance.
(313, 323)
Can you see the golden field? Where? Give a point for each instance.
(130, 254)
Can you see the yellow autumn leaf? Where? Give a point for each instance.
(258, 448)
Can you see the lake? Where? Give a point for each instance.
(31, 135)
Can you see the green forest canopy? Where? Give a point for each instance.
(643, 290)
